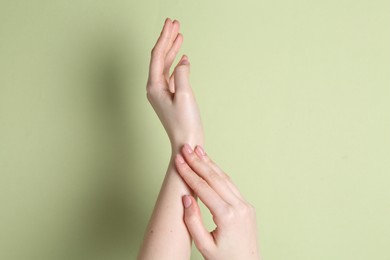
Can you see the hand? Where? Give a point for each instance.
(171, 95)
(235, 235)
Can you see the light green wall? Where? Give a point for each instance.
(294, 97)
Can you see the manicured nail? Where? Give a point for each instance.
(180, 158)
(188, 148)
(200, 150)
(184, 60)
(187, 201)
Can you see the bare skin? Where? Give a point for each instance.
(172, 99)
(235, 237)
(176, 218)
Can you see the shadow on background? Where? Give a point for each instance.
(109, 217)
(73, 134)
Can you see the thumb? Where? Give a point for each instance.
(182, 74)
(193, 219)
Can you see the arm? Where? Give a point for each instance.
(166, 236)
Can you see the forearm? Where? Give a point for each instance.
(167, 236)
(171, 97)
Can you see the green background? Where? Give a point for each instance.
(295, 101)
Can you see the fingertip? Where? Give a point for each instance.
(200, 151)
(176, 22)
(186, 149)
(177, 43)
(187, 201)
(168, 23)
(184, 60)
(179, 159)
(166, 28)
(179, 37)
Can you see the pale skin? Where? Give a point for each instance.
(176, 218)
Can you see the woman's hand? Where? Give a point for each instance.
(235, 236)
(171, 95)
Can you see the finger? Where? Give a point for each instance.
(210, 198)
(173, 36)
(202, 238)
(182, 75)
(203, 156)
(159, 52)
(203, 168)
(172, 54)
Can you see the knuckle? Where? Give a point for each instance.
(229, 215)
(191, 219)
(207, 159)
(227, 176)
(200, 185)
(214, 165)
(226, 215)
(245, 209)
(153, 90)
(213, 176)
(154, 51)
(149, 95)
(184, 169)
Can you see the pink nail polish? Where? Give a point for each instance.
(185, 62)
(188, 148)
(187, 201)
(180, 158)
(200, 150)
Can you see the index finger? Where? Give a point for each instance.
(199, 162)
(206, 194)
(159, 51)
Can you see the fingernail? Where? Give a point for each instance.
(180, 158)
(187, 201)
(200, 150)
(188, 148)
(185, 60)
